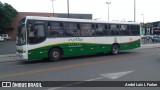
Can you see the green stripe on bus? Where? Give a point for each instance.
(76, 49)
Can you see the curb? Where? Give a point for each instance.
(150, 46)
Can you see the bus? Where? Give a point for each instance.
(54, 38)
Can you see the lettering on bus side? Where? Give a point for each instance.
(75, 40)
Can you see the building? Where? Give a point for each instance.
(147, 28)
(12, 30)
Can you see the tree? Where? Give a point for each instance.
(7, 14)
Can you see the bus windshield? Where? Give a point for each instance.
(21, 34)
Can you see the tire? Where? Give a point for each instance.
(5, 40)
(115, 49)
(55, 54)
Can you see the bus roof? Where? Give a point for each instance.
(76, 20)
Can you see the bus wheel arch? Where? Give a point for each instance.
(115, 48)
(55, 53)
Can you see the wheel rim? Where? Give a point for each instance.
(115, 49)
(56, 54)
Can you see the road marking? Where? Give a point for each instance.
(116, 75)
(67, 67)
(107, 75)
(55, 88)
(94, 79)
(67, 85)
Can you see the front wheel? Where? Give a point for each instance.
(55, 54)
(5, 40)
(115, 49)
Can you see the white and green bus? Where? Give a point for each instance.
(54, 38)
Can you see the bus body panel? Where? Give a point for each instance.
(79, 45)
(130, 42)
(22, 51)
(41, 50)
(75, 46)
(85, 45)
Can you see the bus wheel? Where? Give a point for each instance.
(5, 40)
(55, 54)
(115, 49)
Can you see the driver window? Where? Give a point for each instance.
(30, 29)
(36, 31)
(39, 31)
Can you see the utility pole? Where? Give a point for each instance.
(108, 8)
(134, 10)
(53, 7)
(68, 8)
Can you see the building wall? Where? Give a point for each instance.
(79, 16)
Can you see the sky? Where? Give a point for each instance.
(118, 9)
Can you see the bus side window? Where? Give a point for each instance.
(135, 30)
(124, 30)
(55, 29)
(114, 29)
(100, 29)
(106, 30)
(78, 26)
(72, 29)
(87, 30)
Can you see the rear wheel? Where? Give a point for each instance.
(55, 54)
(115, 49)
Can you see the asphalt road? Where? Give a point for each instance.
(8, 47)
(135, 65)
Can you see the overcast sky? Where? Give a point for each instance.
(119, 9)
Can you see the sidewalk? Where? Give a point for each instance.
(9, 59)
(8, 55)
(150, 45)
(14, 57)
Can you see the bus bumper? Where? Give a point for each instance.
(22, 56)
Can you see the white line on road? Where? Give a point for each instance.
(67, 85)
(116, 75)
(108, 75)
(94, 79)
